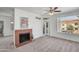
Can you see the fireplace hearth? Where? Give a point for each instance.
(23, 37)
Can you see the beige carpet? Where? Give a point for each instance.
(48, 44)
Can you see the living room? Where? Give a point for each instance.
(39, 29)
(43, 29)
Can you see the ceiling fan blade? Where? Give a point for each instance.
(58, 11)
(55, 8)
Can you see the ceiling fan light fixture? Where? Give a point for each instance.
(51, 13)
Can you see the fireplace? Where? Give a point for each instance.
(23, 37)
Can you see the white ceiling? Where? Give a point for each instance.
(8, 10)
(38, 10)
(42, 10)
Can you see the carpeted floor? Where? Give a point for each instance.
(48, 44)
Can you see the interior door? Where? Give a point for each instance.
(45, 28)
(1, 28)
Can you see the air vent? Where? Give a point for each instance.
(39, 18)
(45, 18)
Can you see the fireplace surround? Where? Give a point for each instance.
(23, 37)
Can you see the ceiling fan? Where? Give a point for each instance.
(52, 10)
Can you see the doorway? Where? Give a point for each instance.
(45, 28)
(1, 28)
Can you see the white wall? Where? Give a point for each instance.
(34, 24)
(7, 27)
(53, 27)
(6, 14)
